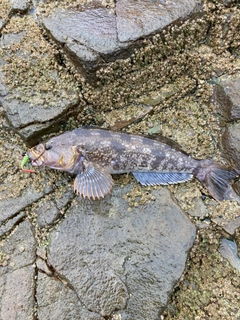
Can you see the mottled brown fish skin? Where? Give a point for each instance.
(114, 153)
(121, 152)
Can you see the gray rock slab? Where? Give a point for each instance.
(56, 301)
(91, 26)
(9, 225)
(23, 114)
(64, 199)
(232, 226)
(231, 144)
(229, 251)
(136, 19)
(17, 274)
(116, 259)
(32, 117)
(33, 132)
(93, 35)
(20, 248)
(17, 300)
(20, 5)
(48, 212)
(8, 39)
(33, 121)
(226, 95)
(11, 206)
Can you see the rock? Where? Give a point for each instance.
(65, 199)
(20, 247)
(226, 95)
(226, 216)
(91, 26)
(120, 259)
(17, 275)
(3, 87)
(56, 301)
(106, 260)
(34, 132)
(42, 266)
(42, 95)
(231, 144)
(42, 253)
(18, 295)
(88, 34)
(10, 39)
(139, 19)
(22, 117)
(92, 35)
(48, 211)
(5, 13)
(9, 224)
(23, 114)
(232, 226)
(199, 209)
(229, 250)
(12, 206)
(20, 5)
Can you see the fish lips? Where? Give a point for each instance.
(36, 155)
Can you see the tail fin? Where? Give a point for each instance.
(216, 178)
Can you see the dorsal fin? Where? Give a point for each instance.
(162, 139)
(158, 137)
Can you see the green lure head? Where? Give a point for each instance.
(24, 161)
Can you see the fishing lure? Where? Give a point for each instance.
(24, 161)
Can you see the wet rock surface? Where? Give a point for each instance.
(26, 110)
(226, 95)
(57, 301)
(93, 34)
(119, 258)
(231, 143)
(228, 250)
(135, 21)
(17, 273)
(15, 205)
(133, 254)
(20, 6)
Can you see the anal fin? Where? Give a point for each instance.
(161, 178)
(93, 182)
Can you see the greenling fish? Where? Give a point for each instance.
(95, 154)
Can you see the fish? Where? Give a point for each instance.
(94, 155)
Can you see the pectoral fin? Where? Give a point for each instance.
(93, 182)
(164, 178)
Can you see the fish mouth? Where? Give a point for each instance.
(35, 154)
(38, 162)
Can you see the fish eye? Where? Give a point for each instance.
(48, 146)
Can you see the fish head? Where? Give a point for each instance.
(54, 155)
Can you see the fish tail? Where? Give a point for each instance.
(216, 178)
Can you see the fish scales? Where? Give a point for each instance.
(126, 153)
(94, 154)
